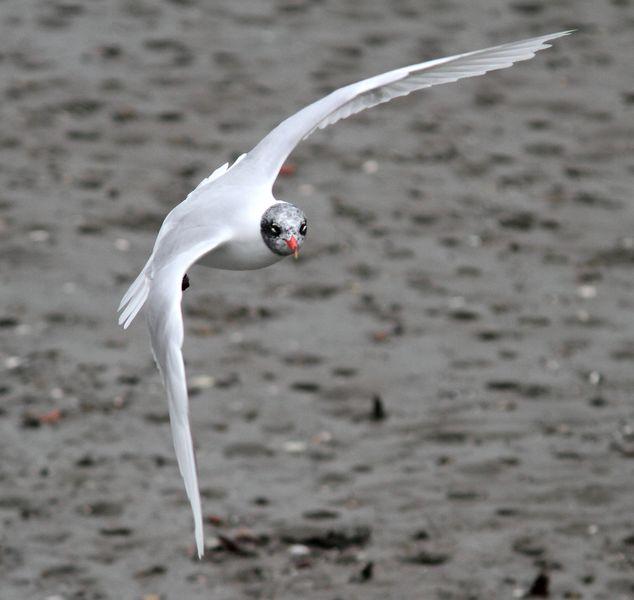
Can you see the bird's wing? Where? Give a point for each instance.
(165, 322)
(272, 151)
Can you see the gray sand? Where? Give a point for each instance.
(469, 263)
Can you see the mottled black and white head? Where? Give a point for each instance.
(283, 228)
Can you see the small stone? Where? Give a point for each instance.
(298, 550)
(323, 437)
(587, 291)
(39, 235)
(583, 316)
(370, 166)
(122, 244)
(320, 514)
(365, 574)
(475, 241)
(57, 393)
(13, 362)
(201, 382)
(427, 557)
(378, 410)
(327, 536)
(528, 547)
(540, 587)
(295, 446)
(595, 378)
(456, 302)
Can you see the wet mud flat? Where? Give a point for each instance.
(434, 402)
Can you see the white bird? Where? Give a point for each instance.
(234, 222)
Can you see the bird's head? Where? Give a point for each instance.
(283, 228)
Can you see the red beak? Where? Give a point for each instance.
(292, 244)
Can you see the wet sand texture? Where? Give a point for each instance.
(434, 402)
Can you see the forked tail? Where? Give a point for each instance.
(134, 298)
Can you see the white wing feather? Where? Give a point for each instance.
(136, 295)
(219, 172)
(272, 151)
(161, 284)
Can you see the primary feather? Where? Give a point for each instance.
(273, 150)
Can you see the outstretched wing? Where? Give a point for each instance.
(272, 151)
(165, 322)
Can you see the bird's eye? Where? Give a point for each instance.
(275, 229)
(302, 228)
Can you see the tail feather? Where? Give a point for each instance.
(134, 299)
(131, 290)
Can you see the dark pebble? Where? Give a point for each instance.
(340, 537)
(365, 574)
(378, 409)
(540, 587)
(528, 546)
(101, 509)
(115, 531)
(306, 386)
(320, 514)
(151, 571)
(427, 558)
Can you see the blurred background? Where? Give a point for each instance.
(433, 402)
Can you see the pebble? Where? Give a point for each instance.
(583, 316)
(122, 244)
(328, 535)
(456, 302)
(595, 378)
(39, 235)
(299, 550)
(370, 166)
(13, 362)
(475, 241)
(202, 382)
(295, 447)
(587, 291)
(323, 437)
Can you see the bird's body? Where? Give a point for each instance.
(242, 207)
(232, 221)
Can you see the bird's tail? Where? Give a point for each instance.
(134, 298)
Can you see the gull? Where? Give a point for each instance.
(232, 221)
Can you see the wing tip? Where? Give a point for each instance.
(200, 541)
(554, 36)
(559, 33)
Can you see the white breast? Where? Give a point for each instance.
(246, 249)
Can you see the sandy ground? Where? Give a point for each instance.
(468, 270)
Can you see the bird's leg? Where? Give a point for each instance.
(185, 283)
